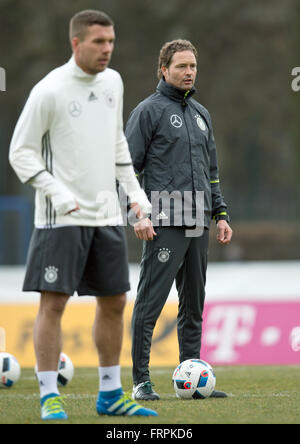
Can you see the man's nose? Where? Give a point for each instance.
(189, 70)
(107, 48)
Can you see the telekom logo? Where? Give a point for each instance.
(228, 327)
(252, 332)
(2, 79)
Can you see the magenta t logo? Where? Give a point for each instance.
(2, 79)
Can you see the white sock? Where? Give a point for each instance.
(109, 378)
(47, 383)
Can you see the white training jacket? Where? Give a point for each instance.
(70, 146)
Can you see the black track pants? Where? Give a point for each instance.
(170, 256)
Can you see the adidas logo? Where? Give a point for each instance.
(161, 215)
(92, 97)
(106, 378)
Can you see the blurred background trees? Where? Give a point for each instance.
(246, 54)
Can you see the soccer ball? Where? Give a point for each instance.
(10, 370)
(194, 379)
(65, 370)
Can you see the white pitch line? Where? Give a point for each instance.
(164, 397)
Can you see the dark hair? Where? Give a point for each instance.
(82, 20)
(169, 49)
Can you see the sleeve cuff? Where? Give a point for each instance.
(221, 216)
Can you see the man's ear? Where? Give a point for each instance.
(75, 43)
(164, 70)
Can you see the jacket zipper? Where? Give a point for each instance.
(184, 105)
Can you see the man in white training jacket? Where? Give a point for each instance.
(70, 146)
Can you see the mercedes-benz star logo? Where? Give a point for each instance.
(176, 121)
(75, 109)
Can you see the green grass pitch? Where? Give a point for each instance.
(257, 395)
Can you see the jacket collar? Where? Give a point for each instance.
(179, 95)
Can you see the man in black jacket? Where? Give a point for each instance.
(172, 146)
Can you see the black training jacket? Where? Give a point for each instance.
(171, 142)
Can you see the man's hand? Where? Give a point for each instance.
(224, 232)
(144, 228)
